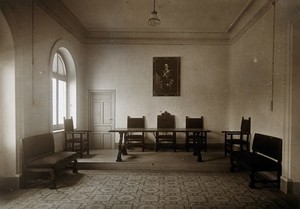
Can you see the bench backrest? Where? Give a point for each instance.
(268, 145)
(36, 146)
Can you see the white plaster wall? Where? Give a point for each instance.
(251, 82)
(128, 70)
(293, 18)
(7, 102)
(31, 71)
(251, 76)
(295, 136)
(45, 37)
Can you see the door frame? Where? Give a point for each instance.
(113, 92)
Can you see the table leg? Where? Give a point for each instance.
(195, 142)
(119, 158)
(124, 149)
(199, 148)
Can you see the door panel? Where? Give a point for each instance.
(102, 119)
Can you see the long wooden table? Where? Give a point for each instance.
(200, 132)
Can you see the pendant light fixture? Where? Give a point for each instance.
(154, 20)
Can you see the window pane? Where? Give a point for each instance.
(54, 69)
(62, 101)
(54, 102)
(61, 66)
(59, 88)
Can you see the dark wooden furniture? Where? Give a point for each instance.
(165, 121)
(38, 156)
(191, 138)
(238, 138)
(123, 131)
(266, 156)
(76, 140)
(135, 138)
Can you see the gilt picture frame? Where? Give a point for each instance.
(166, 76)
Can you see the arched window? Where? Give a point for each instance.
(59, 91)
(63, 85)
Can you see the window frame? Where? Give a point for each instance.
(59, 77)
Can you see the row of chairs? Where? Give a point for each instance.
(232, 138)
(78, 140)
(165, 120)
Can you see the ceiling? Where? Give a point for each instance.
(209, 16)
(182, 21)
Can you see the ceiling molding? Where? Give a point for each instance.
(254, 10)
(239, 16)
(236, 36)
(155, 37)
(157, 41)
(63, 16)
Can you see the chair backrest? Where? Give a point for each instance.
(136, 122)
(166, 120)
(68, 124)
(246, 125)
(194, 122)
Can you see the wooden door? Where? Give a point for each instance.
(102, 119)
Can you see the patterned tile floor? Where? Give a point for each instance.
(123, 189)
(149, 180)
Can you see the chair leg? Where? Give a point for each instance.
(81, 150)
(174, 146)
(252, 180)
(187, 145)
(174, 141)
(52, 184)
(75, 166)
(88, 147)
(23, 181)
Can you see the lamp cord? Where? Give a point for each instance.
(273, 57)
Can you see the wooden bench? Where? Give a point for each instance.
(263, 162)
(39, 157)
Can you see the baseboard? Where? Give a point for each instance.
(288, 186)
(9, 184)
(296, 187)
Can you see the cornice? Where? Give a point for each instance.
(239, 16)
(161, 41)
(237, 35)
(65, 18)
(155, 37)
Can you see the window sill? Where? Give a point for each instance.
(58, 131)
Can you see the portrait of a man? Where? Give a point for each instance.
(166, 76)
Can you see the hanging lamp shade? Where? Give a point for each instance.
(154, 20)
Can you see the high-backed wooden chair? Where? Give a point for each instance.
(76, 140)
(164, 136)
(239, 138)
(191, 137)
(135, 138)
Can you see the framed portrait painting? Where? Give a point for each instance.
(166, 76)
